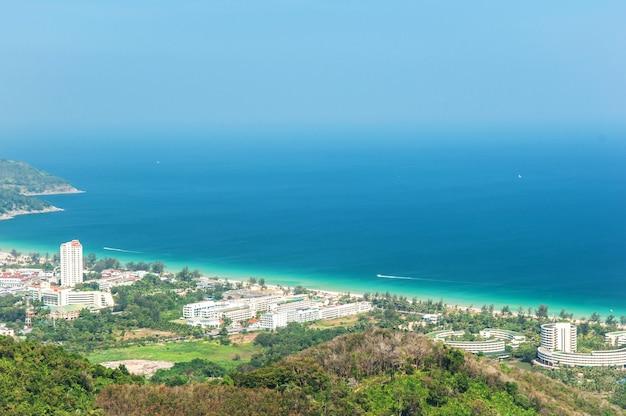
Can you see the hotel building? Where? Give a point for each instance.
(559, 336)
(71, 263)
(558, 348)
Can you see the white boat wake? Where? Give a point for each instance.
(120, 250)
(386, 276)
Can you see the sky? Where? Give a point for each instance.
(141, 65)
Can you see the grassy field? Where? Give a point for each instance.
(520, 364)
(179, 352)
(331, 323)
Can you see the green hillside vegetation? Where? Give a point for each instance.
(376, 372)
(38, 379)
(25, 179)
(18, 180)
(14, 201)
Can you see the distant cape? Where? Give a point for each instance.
(20, 183)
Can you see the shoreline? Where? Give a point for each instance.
(342, 284)
(66, 192)
(12, 214)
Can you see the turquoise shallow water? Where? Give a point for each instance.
(332, 210)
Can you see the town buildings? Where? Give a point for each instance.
(51, 296)
(71, 263)
(274, 311)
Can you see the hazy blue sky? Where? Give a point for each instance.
(202, 64)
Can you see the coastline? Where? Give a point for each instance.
(454, 299)
(58, 191)
(55, 192)
(12, 214)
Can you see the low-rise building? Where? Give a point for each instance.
(64, 297)
(106, 284)
(6, 331)
(486, 347)
(616, 339)
(12, 282)
(512, 337)
(69, 312)
(332, 312)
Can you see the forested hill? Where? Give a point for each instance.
(377, 372)
(19, 181)
(26, 180)
(41, 380)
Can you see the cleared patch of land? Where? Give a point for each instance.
(143, 333)
(225, 355)
(142, 367)
(331, 323)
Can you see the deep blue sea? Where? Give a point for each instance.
(510, 219)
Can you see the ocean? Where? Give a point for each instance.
(518, 219)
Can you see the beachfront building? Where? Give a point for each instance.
(272, 320)
(276, 319)
(486, 347)
(512, 337)
(496, 345)
(616, 339)
(558, 336)
(558, 348)
(275, 311)
(606, 358)
(71, 263)
(208, 308)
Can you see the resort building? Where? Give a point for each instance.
(271, 320)
(616, 339)
(512, 337)
(71, 263)
(107, 283)
(558, 336)
(64, 297)
(275, 311)
(612, 358)
(558, 348)
(487, 346)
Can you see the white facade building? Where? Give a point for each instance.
(332, 312)
(616, 338)
(65, 297)
(71, 263)
(271, 320)
(615, 358)
(7, 332)
(11, 282)
(558, 336)
(515, 338)
(558, 347)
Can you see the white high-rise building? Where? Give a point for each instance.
(71, 263)
(559, 336)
